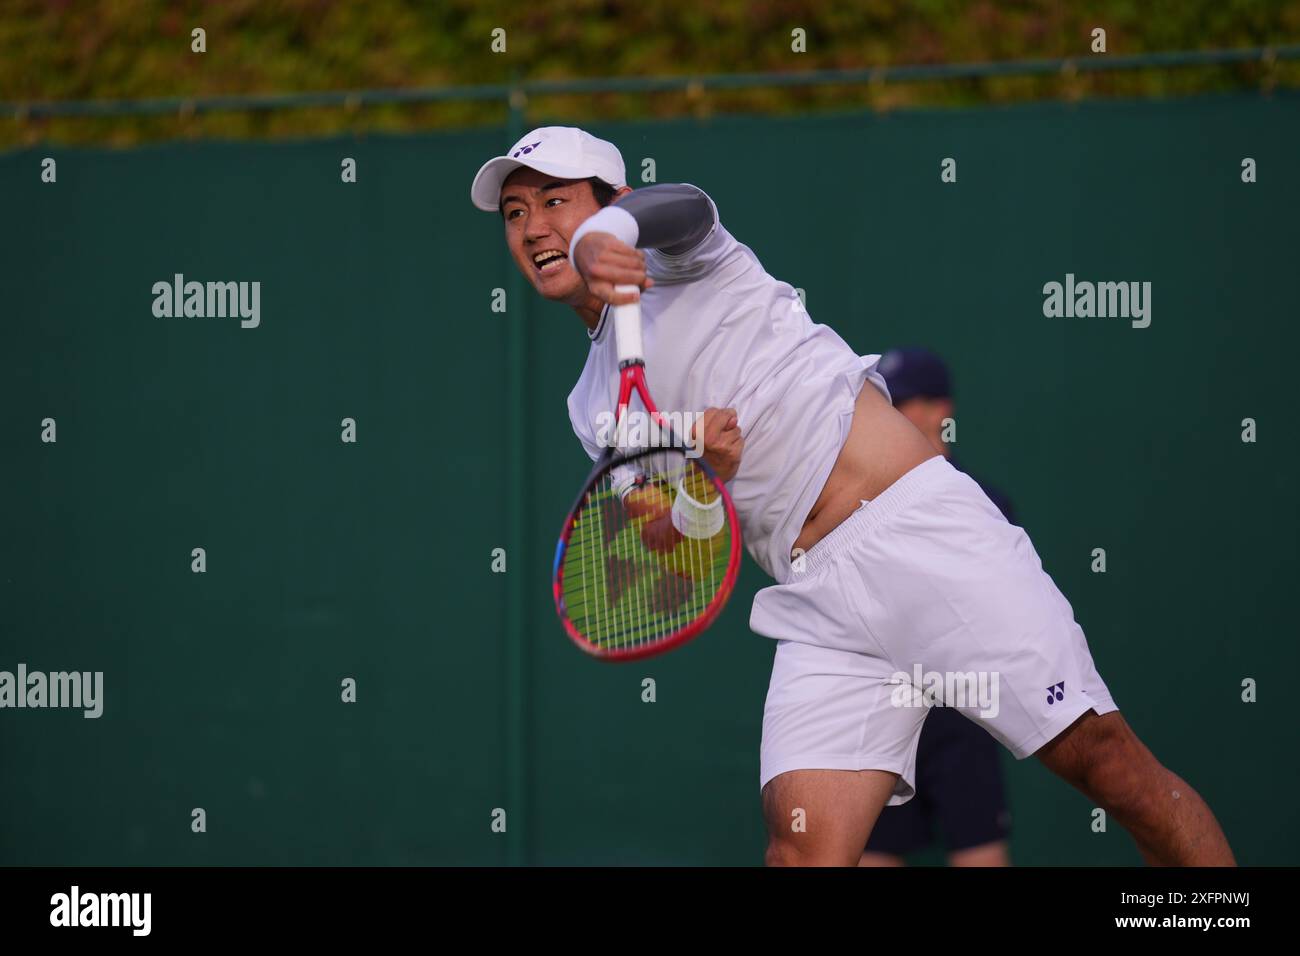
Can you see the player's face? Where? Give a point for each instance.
(541, 215)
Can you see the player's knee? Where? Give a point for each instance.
(1119, 772)
(781, 853)
(1094, 754)
(791, 852)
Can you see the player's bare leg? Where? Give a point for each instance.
(1171, 824)
(988, 854)
(872, 858)
(822, 817)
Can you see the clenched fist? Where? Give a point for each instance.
(605, 261)
(722, 442)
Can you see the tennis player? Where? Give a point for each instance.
(925, 574)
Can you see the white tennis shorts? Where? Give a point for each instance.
(924, 595)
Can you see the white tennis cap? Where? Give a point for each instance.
(563, 151)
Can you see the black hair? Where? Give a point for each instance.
(601, 190)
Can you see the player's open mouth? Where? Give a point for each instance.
(549, 261)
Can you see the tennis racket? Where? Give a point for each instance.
(650, 550)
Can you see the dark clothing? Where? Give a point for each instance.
(995, 496)
(958, 788)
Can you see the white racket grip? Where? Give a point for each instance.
(627, 328)
(623, 478)
(696, 520)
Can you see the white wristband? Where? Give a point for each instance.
(619, 223)
(696, 520)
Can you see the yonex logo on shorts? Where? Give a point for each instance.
(966, 689)
(1056, 692)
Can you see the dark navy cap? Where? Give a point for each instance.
(913, 373)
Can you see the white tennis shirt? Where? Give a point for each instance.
(720, 332)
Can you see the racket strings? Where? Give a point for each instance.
(631, 579)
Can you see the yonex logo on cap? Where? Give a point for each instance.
(571, 153)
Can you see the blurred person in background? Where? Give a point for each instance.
(960, 792)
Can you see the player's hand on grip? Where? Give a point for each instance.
(722, 442)
(660, 535)
(605, 261)
(657, 533)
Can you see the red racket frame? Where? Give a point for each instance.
(632, 376)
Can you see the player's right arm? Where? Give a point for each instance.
(673, 218)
